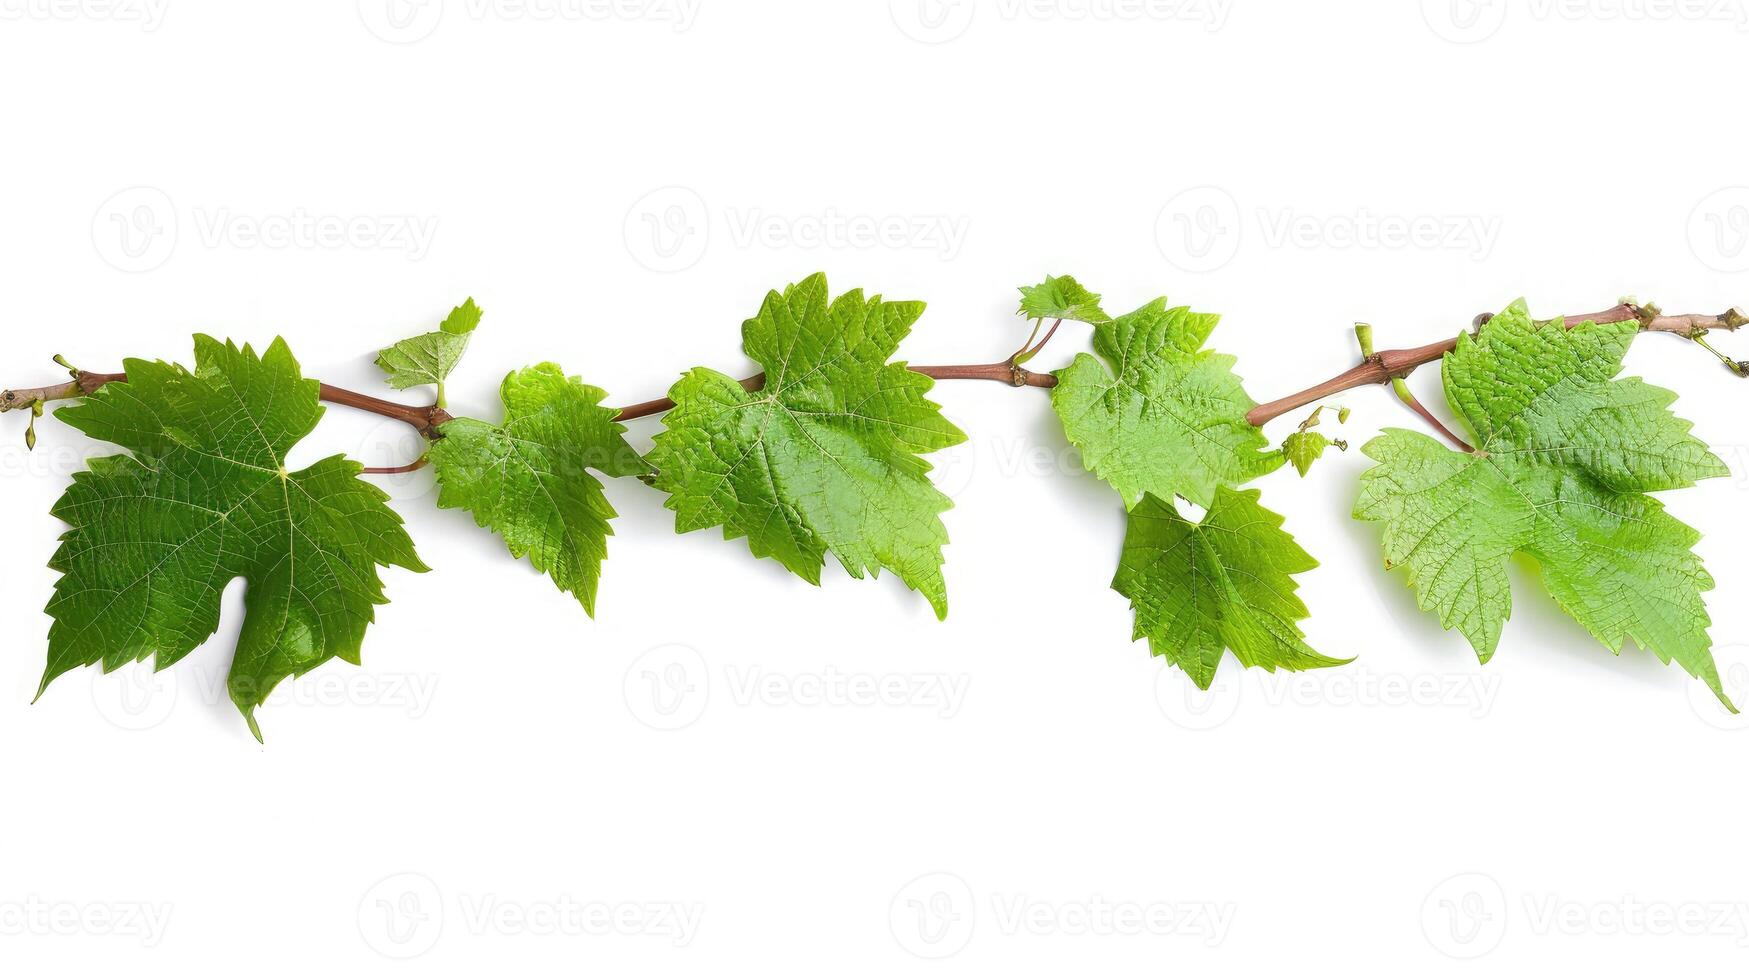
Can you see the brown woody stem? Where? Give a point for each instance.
(1456, 440)
(1378, 368)
(412, 467)
(425, 418)
(1004, 371)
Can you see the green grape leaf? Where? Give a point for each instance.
(528, 479)
(429, 358)
(1167, 417)
(1061, 298)
(826, 456)
(1304, 448)
(1566, 453)
(205, 498)
(1199, 589)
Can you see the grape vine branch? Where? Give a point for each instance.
(427, 419)
(1567, 453)
(1385, 365)
(1375, 369)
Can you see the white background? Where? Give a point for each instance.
(683, 786)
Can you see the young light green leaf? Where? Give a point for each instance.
(1224, 584)
(826, 456)
(528, 479)
(1167, 417)
(1565, 455)
(1061, 298)
(1303, 448)
(206, 498)
(429, 358)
